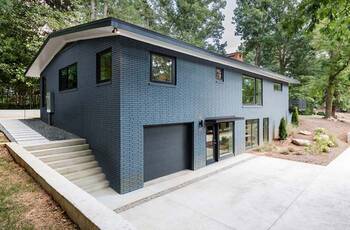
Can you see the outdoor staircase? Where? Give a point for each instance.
(74, 160)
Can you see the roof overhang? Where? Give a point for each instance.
(103, 28)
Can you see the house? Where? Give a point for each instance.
(150, 105)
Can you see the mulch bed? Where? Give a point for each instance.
(337, 128)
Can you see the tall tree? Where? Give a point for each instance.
(329, 21)
(269, 39)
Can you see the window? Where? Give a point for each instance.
(104, 66)
(225, 138)
(68, 77)
(251, 133)
(43, 92)
(162, 69)
(219, 75)
(266, 130)
(277, 86)
(252, 91)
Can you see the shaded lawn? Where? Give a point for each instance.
(23, 203)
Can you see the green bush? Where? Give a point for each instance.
(282, 130)
(295, 117)
(320, 131)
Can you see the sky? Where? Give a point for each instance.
(229, 34)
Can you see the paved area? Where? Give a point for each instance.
(19, 132)
(251, 195)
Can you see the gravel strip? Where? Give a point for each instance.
(49, 132)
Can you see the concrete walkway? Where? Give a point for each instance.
(17, 131)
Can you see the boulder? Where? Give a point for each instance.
(305, 132)
(301, 142)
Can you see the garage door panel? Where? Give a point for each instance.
(167, 149)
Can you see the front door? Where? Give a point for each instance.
(219, 141)
(211, 144)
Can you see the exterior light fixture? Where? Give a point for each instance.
(115, 31)
(201, 123)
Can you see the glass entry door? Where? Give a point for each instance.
(211, 144)
(219, 141)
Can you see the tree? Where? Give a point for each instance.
(329, 22)
(282, 129)
(269, 38)
(23, 27)
(295, 117)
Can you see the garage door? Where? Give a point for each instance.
(167, 149)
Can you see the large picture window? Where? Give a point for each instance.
(104, 66)
(162, 69)
(251, 91)
(251, 133)
(68, 77)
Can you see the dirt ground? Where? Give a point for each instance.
(23, 203)
(337, 128)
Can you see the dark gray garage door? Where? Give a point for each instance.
(167, 149)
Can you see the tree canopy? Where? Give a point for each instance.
(24, 24)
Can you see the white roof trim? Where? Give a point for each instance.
(55, 44)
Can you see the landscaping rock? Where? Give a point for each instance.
(305, 132)
(301, 142)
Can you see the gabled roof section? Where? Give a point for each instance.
(104, 27)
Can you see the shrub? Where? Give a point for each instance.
(282, 130)
(268, 147)
(320, 131)
(295, 117)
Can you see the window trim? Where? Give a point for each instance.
(98, 65)
(173, 72)
(255, 95)
(277, 83)
(59, 78)
(222, 74)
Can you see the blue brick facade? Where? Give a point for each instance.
(112, 117)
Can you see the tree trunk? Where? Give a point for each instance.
(105, 9)
(330, 95)
(93, 10)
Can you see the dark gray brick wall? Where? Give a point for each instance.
(92, 110)
(196, 96)
(112, 116)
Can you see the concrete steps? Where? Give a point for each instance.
(74, 160)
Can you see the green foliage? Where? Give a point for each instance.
(282, 129)
(320, 131)
(295, 117)
(323, 142)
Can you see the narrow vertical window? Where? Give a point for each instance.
(219, 75)
(104, 66)
(68, 77)
(266, 130)
(43, 91)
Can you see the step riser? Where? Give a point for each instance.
(61, 150)
(85, 173)
(96, 187)
(76, 168)
(57, 144)
(90, 181)
(65, 156)
(71, 162)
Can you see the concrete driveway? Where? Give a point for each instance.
(261, 193)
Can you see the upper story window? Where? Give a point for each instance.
(104, 66)
(219, 75)
(252, 91)
(68, 77)
(277, 86)
(163, 69)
